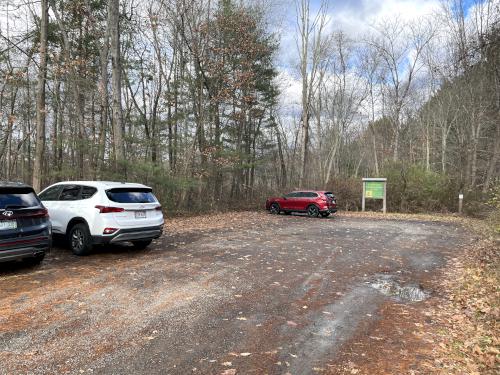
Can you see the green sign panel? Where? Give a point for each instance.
(374, 189)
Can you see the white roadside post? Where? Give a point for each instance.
(363, 199)
(460, 203)
(384, 203)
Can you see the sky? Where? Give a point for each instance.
(355, 18)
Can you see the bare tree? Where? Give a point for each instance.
(40, 98)
(116, 78)
(344, 92)
(400, 47)
(311, 45)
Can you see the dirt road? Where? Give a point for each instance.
(255, 294)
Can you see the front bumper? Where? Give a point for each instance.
(132, 234)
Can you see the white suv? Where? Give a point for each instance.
(101, 212)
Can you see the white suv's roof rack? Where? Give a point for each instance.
(105, 184)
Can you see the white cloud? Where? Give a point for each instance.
(291, 91)
(356, 16)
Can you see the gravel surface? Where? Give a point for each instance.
(246, 293)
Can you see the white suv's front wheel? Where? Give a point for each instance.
(80, 240)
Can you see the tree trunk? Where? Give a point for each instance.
(395, 155)
(55, 126)
(103, 91)
(304, 49)
(427, 148)
(116, 68)
(283, 178)
(476, 134)
(444, 142)
(375, 156)
(40, 99)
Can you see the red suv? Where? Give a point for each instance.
(314, 203)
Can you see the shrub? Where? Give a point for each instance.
(494, 203)
(414, 189)
(348, 192)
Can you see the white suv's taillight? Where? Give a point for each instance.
(107, 210)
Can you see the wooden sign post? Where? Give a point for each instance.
(375, 188)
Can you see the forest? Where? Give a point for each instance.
(191, 97)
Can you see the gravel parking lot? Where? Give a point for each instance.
(246, 293)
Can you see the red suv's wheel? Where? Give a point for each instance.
(274, 209)
(313, 211)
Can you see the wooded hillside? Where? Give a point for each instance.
(188, 96)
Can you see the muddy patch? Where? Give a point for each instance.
(427, 261)
(330, 328)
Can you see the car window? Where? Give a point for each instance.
(131, 195)
(12, 198)
(311, 195)
(70, 193)
(302, 194)
(291, 195)
(51, 194)
(88, 192)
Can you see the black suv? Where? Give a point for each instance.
(25, 229)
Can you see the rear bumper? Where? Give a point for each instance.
(133, 234)
(24, 251)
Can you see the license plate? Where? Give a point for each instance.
(8, 224)
(140, 214)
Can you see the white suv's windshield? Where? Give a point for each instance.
(131, 195)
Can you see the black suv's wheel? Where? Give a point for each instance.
(141, 245)
(325, 214)
(274, 209)
(312, 211)
(80, 241)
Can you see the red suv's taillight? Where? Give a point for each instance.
(107, 210)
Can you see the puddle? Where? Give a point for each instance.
(405, 293)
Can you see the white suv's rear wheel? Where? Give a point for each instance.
(80, 240)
